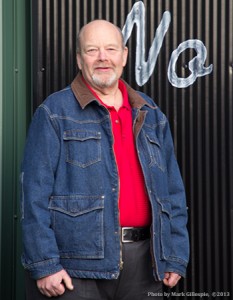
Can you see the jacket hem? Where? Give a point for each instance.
(93, 274)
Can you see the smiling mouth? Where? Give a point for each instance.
(103, 69)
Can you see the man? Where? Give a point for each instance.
(103, 204)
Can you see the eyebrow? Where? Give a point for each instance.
(105, 46)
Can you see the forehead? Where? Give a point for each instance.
(100, 32)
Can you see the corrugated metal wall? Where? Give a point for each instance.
(201, 115)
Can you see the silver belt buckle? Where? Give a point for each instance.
(123, 234)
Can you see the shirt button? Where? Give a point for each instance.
(117, 121)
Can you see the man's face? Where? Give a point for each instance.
(102, 55)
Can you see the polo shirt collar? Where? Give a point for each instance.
(84, 95)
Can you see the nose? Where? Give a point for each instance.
(102, 54)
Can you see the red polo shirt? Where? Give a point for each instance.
(134, 206)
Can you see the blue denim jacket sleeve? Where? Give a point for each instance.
(178, 259)
(40, 256)
(168, 199)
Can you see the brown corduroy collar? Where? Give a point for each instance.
(84, 96)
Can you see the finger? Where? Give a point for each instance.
(173, 283)
(172, 280)
(59, 290)
(68, 282)
(166, 278)
(53, 290)
(45, 292)
(165, 281)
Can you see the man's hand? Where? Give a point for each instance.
(55, 284)
(171, 279)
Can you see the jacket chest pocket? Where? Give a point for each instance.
(155, 151)
(83, 147)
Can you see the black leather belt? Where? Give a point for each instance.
(134, 234)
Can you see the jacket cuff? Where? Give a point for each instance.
(178, 267)
(44, 268)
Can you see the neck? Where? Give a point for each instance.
(111, 98)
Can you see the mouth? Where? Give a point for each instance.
(103, 69)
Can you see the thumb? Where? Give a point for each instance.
(68, 282)
(166, 278)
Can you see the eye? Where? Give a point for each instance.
(112, 49)
(91, 51)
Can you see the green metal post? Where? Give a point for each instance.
(1, 94)
(16, 107)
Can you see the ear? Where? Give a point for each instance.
(79, 59)
(125, 56)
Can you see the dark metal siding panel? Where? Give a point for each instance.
(200, 114)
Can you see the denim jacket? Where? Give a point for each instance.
(70, 188)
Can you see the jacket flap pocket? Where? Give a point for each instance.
(165, 207)
(81, 135)
(153, 139)
(165, 228)
(76, 205)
